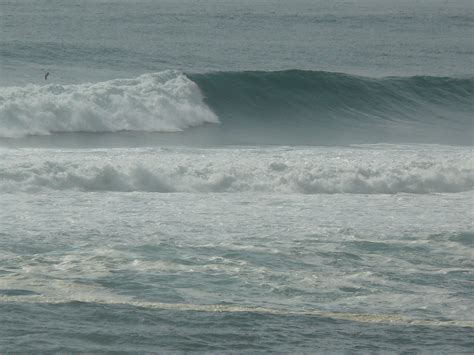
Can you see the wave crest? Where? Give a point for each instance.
(292, 106)
(314, 106)
(329, 97)
(159, 102)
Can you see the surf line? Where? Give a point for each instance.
(186, 307)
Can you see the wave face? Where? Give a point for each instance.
(328, 107)
(292, 106)
(302, 171)
(163, 102)
(324, 95)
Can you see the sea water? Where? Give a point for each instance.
(236, 176)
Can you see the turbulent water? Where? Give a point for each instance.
(298, 107)
(247, 176)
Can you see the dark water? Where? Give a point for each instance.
(89, 327)
(308, 107)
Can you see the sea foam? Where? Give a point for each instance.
(159, 102)
(295, 106)
(302, 171)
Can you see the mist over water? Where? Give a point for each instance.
(236, 176)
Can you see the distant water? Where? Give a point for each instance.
(245, 176)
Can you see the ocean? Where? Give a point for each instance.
(248, 176)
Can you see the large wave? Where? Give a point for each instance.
(160, 102)
(324, 103)
(307, 105)
(299, 94)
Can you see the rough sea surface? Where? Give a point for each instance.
(236, 176)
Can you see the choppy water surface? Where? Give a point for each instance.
(236, 176)
(210, 269)
(243, 248)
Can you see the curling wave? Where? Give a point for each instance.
(337, 98)
(160, 102)
(314, 107)
(283, 107)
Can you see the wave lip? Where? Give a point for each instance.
(158, 102)
(315, 92)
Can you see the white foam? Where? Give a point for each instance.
(159, 102)
(307, 171)
(395, 319)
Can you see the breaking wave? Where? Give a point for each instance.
(302, 104)
(237, 171)
(160, 102)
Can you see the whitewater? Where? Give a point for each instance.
(250, 177)
(338, 108)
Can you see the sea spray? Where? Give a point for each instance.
(270, 171)
(160, 102)
(295, 106)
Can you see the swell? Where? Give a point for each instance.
(335, 98)
(315, 107)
